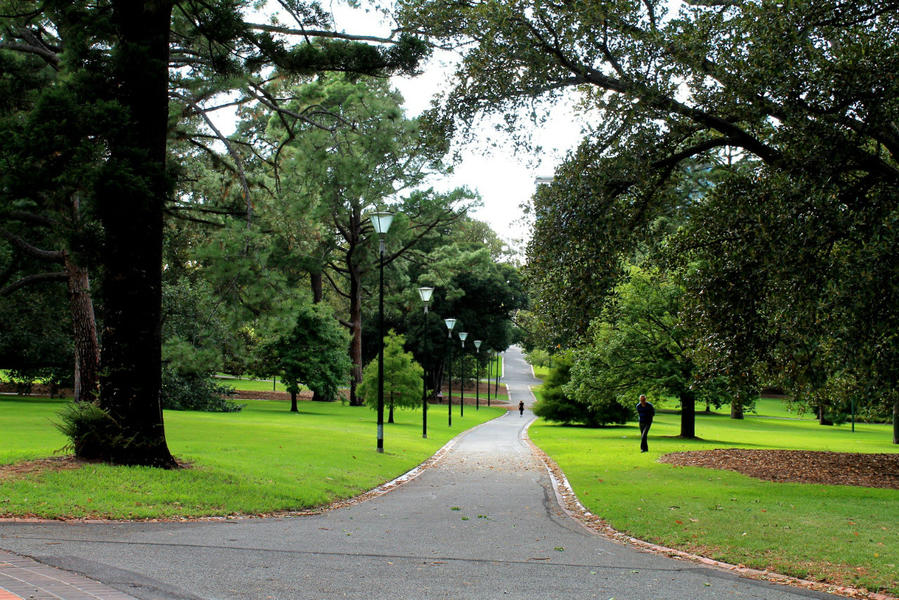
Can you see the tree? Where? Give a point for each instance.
(313, 353)
(640, 345)
(114, 56)
(802, 94)
(471, 287)
(402, 378)
(368, 153)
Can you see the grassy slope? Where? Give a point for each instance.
(260, 460)
(840, 534)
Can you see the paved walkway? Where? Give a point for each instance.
(482, 523)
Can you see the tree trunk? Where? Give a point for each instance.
(688, 415)
(736, 408)
(130, 199)
(822, 416)
(355, 331)
(896, 418)
(315, 281)
(293, 402)
(84, 329)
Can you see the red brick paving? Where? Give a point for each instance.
(22, 578)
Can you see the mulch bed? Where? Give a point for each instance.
(830, 468)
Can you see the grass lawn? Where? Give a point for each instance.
(840, 534)
(259, 460)
(251, 385)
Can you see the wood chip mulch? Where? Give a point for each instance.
(830, 468)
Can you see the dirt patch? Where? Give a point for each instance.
(830, 468)
(29, 467)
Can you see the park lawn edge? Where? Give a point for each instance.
(270, 469)
(834, 535)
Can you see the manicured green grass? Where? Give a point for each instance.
(840, 534)
(259, 460)
(540, 373)
(251, 385)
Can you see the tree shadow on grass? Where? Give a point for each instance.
(703, 441)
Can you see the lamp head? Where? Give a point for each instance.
(425, 293)
(381, 221)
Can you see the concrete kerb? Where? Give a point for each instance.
(572, 506)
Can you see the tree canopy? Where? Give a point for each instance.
(795, 107)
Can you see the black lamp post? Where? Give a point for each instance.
(462, 336)
(477, 375)
(450, 323)
(425, 293)
(381, 223)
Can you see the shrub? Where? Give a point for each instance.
(181, 391)
(90, 429)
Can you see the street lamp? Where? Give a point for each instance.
(381, 223)
(425, 293)
(462, 336)
(477, 375)
(450, 323)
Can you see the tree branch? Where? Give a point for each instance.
(54, 255)
(33, 279)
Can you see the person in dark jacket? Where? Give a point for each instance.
(521, 408)
(646, 411)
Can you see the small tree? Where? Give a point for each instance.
(312, 353)
(402, 377)
(638, 346)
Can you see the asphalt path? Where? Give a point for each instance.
(483, 522)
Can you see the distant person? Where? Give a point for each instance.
(646, 411)
(521, 408)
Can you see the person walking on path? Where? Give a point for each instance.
(521, 408)
(646, 411)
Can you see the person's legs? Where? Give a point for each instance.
(644, 433)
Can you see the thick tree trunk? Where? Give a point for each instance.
(131, 196)
(293, 402)
(688, 415)
(84, 329)
(736, 409)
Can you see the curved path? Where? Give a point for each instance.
(483, 522)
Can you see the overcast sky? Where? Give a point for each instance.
(503, 178)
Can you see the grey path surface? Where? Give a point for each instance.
(483, 523)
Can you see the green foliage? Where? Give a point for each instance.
(182, 391)
(759, 135)
(402, 377)
(313, 352)
(553, 404)
(90, 430)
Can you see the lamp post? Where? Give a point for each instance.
(425, 293)
(477, 375)
(462, 336)
(450, 323)
(381, 223)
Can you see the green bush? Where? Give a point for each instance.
(90, 430)
(557, 406)
(182, 391)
